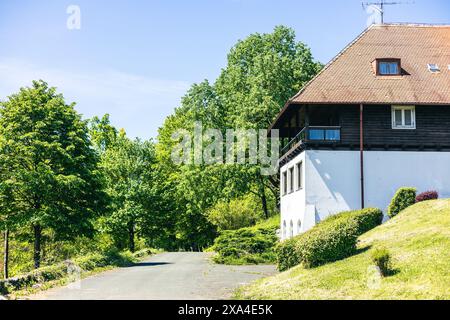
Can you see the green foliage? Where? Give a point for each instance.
(50, 177)
(252, 245)
(382, 259)
(330, 240)
(236, 213)
(403, 198)
(263, 71)
(102, 133)
(127, 168)
(64, 180)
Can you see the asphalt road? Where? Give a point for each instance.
(165, 276)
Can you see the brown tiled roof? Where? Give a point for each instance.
(350, 77)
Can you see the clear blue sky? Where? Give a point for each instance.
(135, 59)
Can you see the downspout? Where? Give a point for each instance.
(361, 151)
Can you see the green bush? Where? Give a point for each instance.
(252, 245)
(403, 198)
(332, 239)
(37, 276)
(382, 259)
(235, 214)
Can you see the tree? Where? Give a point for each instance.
(102, 133)
(262, 73)
(53, 174)
(127, 166)
(6, 216)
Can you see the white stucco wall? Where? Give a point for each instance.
(292, 205)
(332, 181)
(385, 172)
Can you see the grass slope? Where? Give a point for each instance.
(419, 242)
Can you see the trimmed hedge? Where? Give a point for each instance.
(60, 270)
(427, 195)
(403, 198)
(332, 239)
(252, 245)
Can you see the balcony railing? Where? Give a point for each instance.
(301, 136)
(314, 134)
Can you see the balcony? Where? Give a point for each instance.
(313, 134)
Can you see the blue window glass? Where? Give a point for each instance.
(388, 68)
(333, 135)
(316, 134)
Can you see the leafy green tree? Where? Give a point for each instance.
(262, 73)
(127, 167)
(52, 175)
(102, 133)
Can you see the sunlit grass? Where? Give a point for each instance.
(419, 242)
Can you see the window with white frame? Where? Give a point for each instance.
(284, 183)
(299, 175)
(403, 117)
(291, 179)
(284, 230)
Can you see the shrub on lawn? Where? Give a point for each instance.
(403, 198)
(333, 239)
(427, 195)
(252, 245)
(236, 213)
(382, 259)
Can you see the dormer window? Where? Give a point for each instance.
(388, 67)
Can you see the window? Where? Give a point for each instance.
(403, 117)
(433, 67)
(284, 229)
(299, 226)
(284, 182)
(299, 175)
(325, 134)
(388, 67)
(291, 230)
(291, 179)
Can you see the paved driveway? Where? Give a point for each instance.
(171, 276)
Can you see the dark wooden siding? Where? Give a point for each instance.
(432, 127)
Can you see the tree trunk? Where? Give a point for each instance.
(6, 255)
(37, 245)
(131, 246)
(263, 197)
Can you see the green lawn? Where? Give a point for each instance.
(419, 242)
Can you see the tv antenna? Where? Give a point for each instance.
(379, 6)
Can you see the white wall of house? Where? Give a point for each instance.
(332, 181)
(292, 204)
